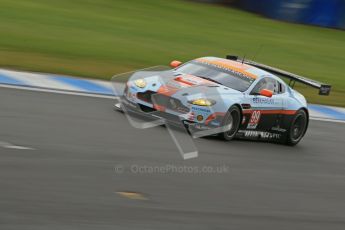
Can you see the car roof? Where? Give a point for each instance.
(248, 70)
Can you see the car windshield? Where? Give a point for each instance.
(225, 77)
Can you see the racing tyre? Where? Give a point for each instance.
(233, 118)
(298, 128)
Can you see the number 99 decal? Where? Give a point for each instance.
(254, 119)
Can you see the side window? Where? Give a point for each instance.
(266, 83)
(281, 88)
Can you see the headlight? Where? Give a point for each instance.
(141, 83)
(203, 102)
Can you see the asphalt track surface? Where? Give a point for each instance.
(70, 177)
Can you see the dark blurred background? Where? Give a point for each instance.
(326, 13)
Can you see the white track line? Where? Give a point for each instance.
(114, 97)
(39, 80)
(105, 84)
(326, 119)
(57, 91)
(341, 110)
(11, 146)
(314, 113)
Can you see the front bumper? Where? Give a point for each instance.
(135, 110)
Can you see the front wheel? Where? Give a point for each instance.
(233, 119)
(298, 128)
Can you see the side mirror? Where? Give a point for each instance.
(266, 93)
(175, 64)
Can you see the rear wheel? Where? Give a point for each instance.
(298, 128)
(232, 118)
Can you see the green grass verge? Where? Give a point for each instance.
(104, 37)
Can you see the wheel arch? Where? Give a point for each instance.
(307, 112)
(240, 108)
(225, 135)
(241, 112)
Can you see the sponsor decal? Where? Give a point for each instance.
(259, 100)
(201, 110)
(200, 113)
(261, 134)
(278, 129)
(199, 117)
(254, 119)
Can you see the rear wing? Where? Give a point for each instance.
(324, 89)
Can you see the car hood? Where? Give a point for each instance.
(186, 84)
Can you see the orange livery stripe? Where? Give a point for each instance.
(284, 112)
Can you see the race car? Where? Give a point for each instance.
(246, 99)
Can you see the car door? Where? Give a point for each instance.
(265, 112)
